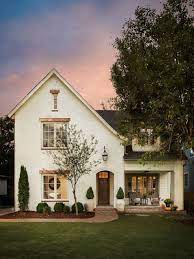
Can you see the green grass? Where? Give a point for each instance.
(128, 237)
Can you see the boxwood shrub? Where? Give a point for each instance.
(41, 207)
(46, 210)
(59, 207)
(80, 207)
(66, 209)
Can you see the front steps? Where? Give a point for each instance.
(142, 209)
(106, 211)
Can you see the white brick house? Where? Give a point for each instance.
(39, 115)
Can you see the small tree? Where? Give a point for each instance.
(23, 189)
(73, 156)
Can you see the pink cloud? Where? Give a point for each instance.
(76, 40)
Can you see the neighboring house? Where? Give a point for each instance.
(6, 189)
(38, 117)
(3, 190)
(189, 185)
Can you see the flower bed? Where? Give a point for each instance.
(54, 215)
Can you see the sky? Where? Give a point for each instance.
(73, 36)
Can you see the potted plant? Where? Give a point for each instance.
(90, 200)
(174, 208)
(120, 200)
(168, 202)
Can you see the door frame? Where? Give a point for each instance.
(98, 184)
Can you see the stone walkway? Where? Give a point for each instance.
(101, 215)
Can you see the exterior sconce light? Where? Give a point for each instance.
(104, 155)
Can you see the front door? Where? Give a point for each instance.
(103, 188)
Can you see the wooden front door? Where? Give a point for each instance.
(103, 188)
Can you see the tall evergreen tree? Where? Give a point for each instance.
(153, 74)
(23, 190)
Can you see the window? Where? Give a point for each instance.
(55, 101)
(103, 175)
(55, 93)
(3, 187)
(147, 136)
(186, 180)
(52, 132)
(141, 184)
(54, 187)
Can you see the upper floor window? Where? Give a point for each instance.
(55, 99)
(147, 137)
(53, 132)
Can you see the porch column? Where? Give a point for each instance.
(178, 185)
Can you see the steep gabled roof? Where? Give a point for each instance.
(39, 85)
(110, 116)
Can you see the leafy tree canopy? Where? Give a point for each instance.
(153, 74)
(6, 143)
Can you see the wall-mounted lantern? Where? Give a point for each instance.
(104, 155)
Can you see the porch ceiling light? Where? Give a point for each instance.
(104, 155)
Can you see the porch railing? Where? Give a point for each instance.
(136, 198)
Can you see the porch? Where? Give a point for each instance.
(150, 184)
(142, 188)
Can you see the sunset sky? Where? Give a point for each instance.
(74, 36)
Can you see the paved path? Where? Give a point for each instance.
(6, 211)
(101, 215)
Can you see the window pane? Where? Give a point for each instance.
(61, 134)
(48, 135)
(48, 187)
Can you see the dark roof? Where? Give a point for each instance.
(110, 116)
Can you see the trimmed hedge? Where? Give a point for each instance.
(59, 207)
(46, 210)
(120, 193)
(41, 207)
(80, 207)
(66, 209)
(90, 193)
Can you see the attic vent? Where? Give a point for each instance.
(55, 93)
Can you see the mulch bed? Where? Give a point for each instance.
(53, 215)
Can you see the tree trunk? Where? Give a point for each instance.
(75, 200)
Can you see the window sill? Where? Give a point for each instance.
(54, 200)
(51, 148)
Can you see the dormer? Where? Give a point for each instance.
(146, 142)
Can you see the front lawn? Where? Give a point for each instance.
(128, 237)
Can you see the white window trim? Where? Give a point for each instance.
(55, 188)
(42, 138)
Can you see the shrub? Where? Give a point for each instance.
(23, 189)
(66, 209)
(47, 209)
(174, 208)
(40, 207)
(90, 193)
(120, 193)
(168, 202)
(80, 207)
(59, 207)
